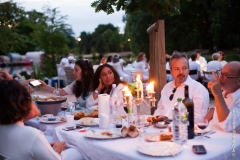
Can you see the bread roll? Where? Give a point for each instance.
(124, 131)
(132, 131)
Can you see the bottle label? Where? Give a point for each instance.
(184, 118)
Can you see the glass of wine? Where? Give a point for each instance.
(202, 125)
(64, 107)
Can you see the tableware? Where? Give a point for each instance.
(160, 148)
(161, 124)
(45, 119)
(47, 105)
(202, 125)
(82, 122)
(155, 137)
(70, 120)
(98, 134)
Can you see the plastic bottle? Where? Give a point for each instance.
(180, 134)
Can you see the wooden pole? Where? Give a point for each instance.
(157, 57)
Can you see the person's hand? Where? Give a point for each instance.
(215, 87)
(58, 146)
(100, 86)
(43, 85)
(4, 75)
(26, 82)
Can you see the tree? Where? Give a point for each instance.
(135, 30)
(104, 39)
(10, 39)
(51, 36)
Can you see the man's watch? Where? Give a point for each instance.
(96, 91)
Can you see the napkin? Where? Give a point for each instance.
(103, 104)
(104, 121)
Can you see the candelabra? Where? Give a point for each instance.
(129, 100)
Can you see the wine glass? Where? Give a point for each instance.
(64, 107)
(202, 125)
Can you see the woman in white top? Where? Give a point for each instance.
(81, 87)
(142, 65)
(102, 82)
(221, 58)
(117, 65)
(19, 141)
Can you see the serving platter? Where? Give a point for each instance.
(160, 149)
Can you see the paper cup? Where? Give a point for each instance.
(70, 120)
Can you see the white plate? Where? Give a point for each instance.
(45, 120)
(95, 122)
(97, 134)
(160, 148)
(155, 137)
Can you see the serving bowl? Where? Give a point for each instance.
(50, 107)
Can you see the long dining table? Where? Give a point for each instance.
(220, 146)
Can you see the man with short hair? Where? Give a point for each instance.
(226, 116)
(193, 65)
(179, 68)
(64, 60)
(213, 65)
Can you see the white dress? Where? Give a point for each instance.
(142, 66)
(91, 102)
(80, 100)
(23, 142)
(118, 67)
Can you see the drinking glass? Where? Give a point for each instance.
(64, 107)
(70, 106)
(140, 125)
(202, 124)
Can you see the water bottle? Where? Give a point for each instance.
(183, 123)
(180, 122)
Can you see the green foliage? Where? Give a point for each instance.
(136, 30)
(153, 7)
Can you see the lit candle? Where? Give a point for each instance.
(139, 86)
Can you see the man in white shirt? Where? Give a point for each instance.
(179, 68)
(226, 116)
(193, 65)
(64, 60)
(213, 66)
(200, 60)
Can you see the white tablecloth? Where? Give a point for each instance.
(219, 146)
(46, 128)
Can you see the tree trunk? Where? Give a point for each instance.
(157, 58)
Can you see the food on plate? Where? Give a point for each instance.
(154, 119)
(124, 131)
(93, 114)
(79, 115)
(132, 131)
(107, 134)
(87, 120)
(165, 137)
(49, 98)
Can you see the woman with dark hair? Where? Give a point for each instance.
(221, 58)
(103, 79)
(109, 60)
(142, 65)
(19, 141)
(81, 87)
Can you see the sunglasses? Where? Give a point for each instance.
(172, 95)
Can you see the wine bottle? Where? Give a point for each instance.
(190, 108)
